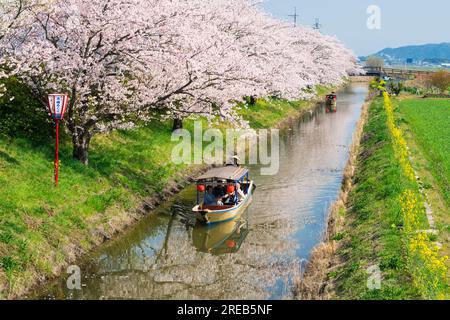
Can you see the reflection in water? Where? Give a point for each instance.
(221, 238)
(255, 257)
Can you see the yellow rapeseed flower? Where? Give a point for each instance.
(428, 268)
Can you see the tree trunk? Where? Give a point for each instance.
(177, 124)
(252, 100)
(81, 147)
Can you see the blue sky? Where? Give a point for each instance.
(402, 22)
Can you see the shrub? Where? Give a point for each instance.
(440, 80)
(21, 114)
(395, 87)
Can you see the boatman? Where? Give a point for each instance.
(234, 162)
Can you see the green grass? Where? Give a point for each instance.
(374, 222)
(268, 113)
(39, 221)
(426, 126)
(429, 121)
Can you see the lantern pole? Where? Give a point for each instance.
(57, 104)
(57, 153)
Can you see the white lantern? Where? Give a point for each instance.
(57, 104)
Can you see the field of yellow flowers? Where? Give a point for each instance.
(425, 263)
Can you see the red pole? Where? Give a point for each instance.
(57, 153)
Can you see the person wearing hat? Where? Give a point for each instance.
(235, 161)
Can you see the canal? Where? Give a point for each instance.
(257, 257)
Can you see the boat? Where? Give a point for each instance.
(236, 195)
(331, 102)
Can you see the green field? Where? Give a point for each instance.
(429, 122)
(426, 123)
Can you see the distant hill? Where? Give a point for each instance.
(431, 53)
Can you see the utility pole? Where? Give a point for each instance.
(317, 25)
(295, 16)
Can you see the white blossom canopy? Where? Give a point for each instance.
(122, 59)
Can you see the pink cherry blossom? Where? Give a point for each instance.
(125, 60)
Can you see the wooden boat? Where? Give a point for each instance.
(231, 178)
(331, 102)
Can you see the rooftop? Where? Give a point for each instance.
(224, 173)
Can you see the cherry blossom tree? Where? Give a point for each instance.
(123, 60)
(100, 53)
(12, 15)
(13, 18)
(244, 51)
(240, 51)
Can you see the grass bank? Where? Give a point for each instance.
(273, 113)
(379, 229)
(43, 229)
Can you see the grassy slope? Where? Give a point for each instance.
(39, 225)
(373, 236)
(269, 113)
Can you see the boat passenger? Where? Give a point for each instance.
(219, 191)
(241, 194)
(210, 198)
(231, 197)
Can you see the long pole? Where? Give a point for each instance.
(295, 15)
(57, 153)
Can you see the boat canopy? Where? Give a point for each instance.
(224, 173)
